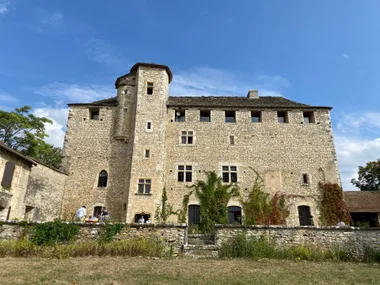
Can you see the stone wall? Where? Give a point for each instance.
(291, 236)
(172, 235)
(43, 199)
(12, 199)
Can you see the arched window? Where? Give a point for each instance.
(103, 177)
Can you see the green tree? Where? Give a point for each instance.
(369, 177)
(164, 210)
(25, 133)
(213, 196)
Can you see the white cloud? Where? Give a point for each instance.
(353, 152)
(75, 93)
(55, 19)
(4, 8)
(205, 81)
(345, 55)
(6, 98)
(103, 52)
(359, 123)
(56, 130)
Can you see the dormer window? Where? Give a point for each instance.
(180, 115)
(149, 88)
(94, 114)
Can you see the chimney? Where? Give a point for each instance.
(254, 94)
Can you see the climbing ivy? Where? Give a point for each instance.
(260, 209)
(333, 209)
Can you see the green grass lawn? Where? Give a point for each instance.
(118, 270)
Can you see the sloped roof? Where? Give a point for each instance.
(105, 102)
(16, 153)
(237, 102)
(362, 201)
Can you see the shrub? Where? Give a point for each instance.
(109, 231)
(54, 232)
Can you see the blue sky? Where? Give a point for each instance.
(316, 52)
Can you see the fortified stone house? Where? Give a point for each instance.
(121, 152)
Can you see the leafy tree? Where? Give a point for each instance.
(259, 209)
(369, 177)
(164, 210)
(213, 196)
(333, 208)
(25, 133)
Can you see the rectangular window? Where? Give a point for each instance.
(256, 117)
(94, 114)
(186, 137)
(229, 174)
(149, 88)
(144, 186)
(149, 125)
(230, 116)
(282, 117)
(147, 153)
(8, 174)
(180, 115)
(232, 140)
(185, 173)
(205, 116)
(308, 117)
(305, 179)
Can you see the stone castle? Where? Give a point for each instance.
(121, 152)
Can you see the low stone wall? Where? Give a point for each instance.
(290, 236)
(172, 235)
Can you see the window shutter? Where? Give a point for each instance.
(8, 174)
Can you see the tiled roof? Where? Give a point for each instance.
(237, 102)
(362, 201)
(11, 150)
(106, 102)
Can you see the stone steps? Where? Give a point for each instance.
(201, 246)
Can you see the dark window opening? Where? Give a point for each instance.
(282, 117)
(103, 178)
(194, 217)
(29, 211)
(139, 218)
(180, 115)
(94, 114)
(144, 186)
(205, 116)
(306, 219)
(234, 215)
(232, 140)
(97, 211)
(305, 178)
(147, 153)
(149, 88)
(308, 117)
(186, 137)
(230, 116)
(149, 125)
(8, 174)
(256, 117)
(185, 173)
(229, 174)
(124, 206)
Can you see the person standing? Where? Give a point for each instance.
(81, 213)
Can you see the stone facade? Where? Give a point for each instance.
(35, 191)
(12, 196)
(141, 141)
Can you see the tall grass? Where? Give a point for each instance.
(132, 247)
(255, 248)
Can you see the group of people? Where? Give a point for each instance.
(142, 220)
(81, 215)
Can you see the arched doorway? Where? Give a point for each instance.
(306, 219)
(234, 215)
(194, 217)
